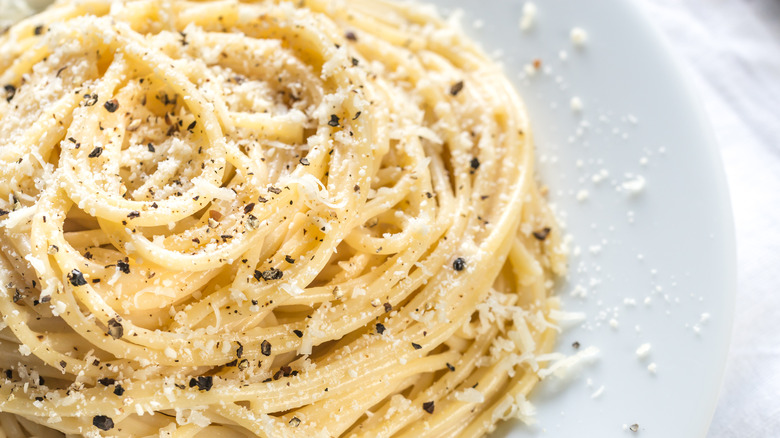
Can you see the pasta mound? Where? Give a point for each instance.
(269, 218)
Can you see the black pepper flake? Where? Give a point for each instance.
(542, 234)
(456, 88)
(334, 121)
(102, 422)
(261, 200)
(111, 105)
(123, 266)
(76, 278)
(239, 350)
(265, 348)
(459, 264)
(63, 364)
(38, 29)
(274, 190)
(10, 92)
(355, 62)
(575, 345)
(304, 161)
(106, 381)
(134, 214)
(289, 259)
(388, 307)
(350, 36)
(357, 114)
(416, 346)
(428, 407)
(95, 152)
(295, 422)
(115, 328)
(118, 390)
(474, 163)
(298, 333)
(191, 126)
(450, 367)
(90, 99)
(380, 328)
(150, 147)
(9, 374)
(269, 274)
(249, 207)
(204, 383)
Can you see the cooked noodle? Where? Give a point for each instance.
(305, 218)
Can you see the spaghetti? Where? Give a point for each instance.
(273, 218)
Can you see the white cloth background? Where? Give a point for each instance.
(732, 48)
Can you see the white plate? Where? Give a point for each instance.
(680, 224)
(672, 243)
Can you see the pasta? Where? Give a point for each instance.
(270, 218)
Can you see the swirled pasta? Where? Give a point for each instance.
(269, 218)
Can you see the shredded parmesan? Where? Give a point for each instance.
(563, 367)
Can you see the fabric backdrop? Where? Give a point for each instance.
(732, 49)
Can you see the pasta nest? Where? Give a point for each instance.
(265, 219)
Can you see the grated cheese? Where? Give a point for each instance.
(470, 395)
(578, 36)
(565, 366)
(528, 19)
(643, 351)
